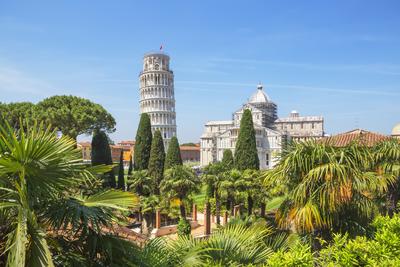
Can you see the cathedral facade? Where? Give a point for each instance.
(271, 132)
(157, 94)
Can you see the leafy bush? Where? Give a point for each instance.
(184, 228)
(299, 255)
(383, 249)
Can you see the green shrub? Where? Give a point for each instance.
(382, 250)
(298, 256)
(184, 228)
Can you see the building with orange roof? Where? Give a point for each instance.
(362, 137)
(190, 153)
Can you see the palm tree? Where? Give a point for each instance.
(214, 176)
(233, 245)
(179, 182)
(51, 202)
(325, 185)
(229, 187)
(387, 160)
(249, 184)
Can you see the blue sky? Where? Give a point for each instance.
(339, 59)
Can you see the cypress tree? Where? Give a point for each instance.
(157, 160)
(101, 154)
(227, 159)
(173, 157)
(130, 168)
(142, 143)
(121, 178)
(246, 156)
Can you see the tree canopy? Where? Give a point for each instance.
(157, 159)
(101, 154)
(74, 115)
(173, 157)
(246, 156)
(143, 143)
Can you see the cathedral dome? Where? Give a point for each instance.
(396, 130)
(259, 96)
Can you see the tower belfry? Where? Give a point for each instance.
(157, 94)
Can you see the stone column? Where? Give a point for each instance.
(225, 220)
(158, 218)
(194, 213)
(207, 219)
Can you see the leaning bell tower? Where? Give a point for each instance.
(157, 94)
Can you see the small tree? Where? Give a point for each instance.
(121, 175)
(130, 168)
(184, 228)
(246, 156)
(179, 182)
(143, 143)
(101, 154)
(227, 159)
(157, 158)
(173, 157)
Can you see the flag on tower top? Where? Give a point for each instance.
(161, 47)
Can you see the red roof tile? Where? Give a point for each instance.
(359, 136)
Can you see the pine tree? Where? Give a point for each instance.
(246, 156)
(143, 143)
(101, 154)
(121, 176)
(173, 157)
(157, 160)
(130, 168)
(227, 159)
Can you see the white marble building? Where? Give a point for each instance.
(157, 94)
(221, 135)
(271, 132)
(301, 128)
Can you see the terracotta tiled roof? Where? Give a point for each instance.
(359, 136)
(130, 143)
(187, 148)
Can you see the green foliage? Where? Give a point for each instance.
(143, 143)
(173, 157)
(227, 159)
(236, 245)
(13, 112)
(387, 163)
(299, 255)
(189, 144)
(101, 154)
(179, 182)
(157, 158)
(184, 228)
(246, 156)
(330, 188)
(130, 168)
(382, 250)
(121, 174)
(49, 202)
(141, 183)
(74, 115)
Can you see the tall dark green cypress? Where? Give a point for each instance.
(246, 156)
(173, 157)
(101, 154)
(157, 160)
(130, 168)
(121, 176)
(227, 159)
(143, 143)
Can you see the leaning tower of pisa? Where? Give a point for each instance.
(157, 94)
